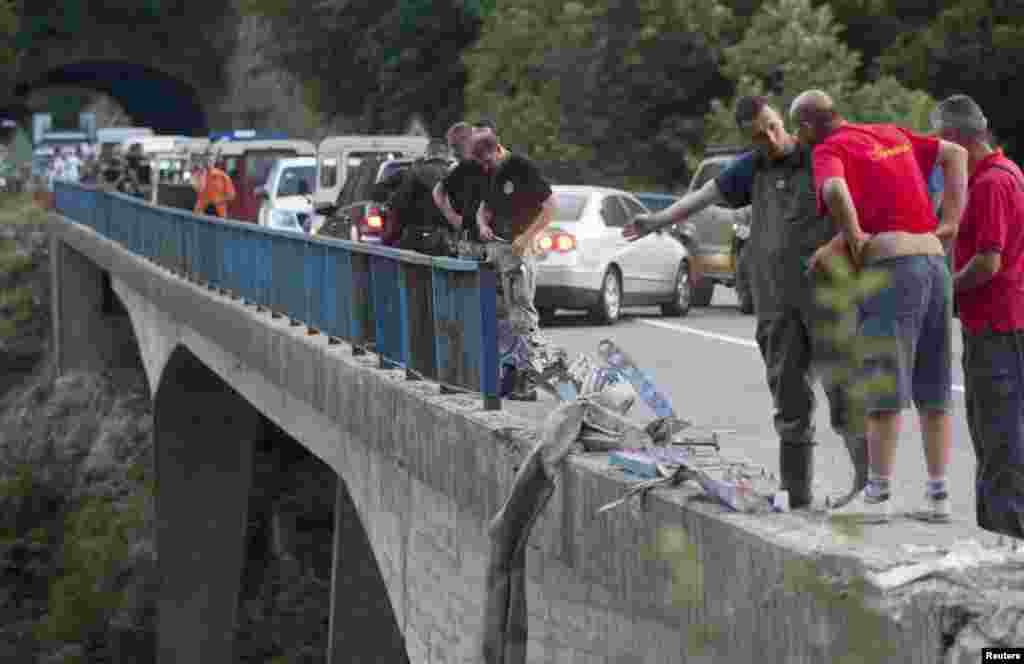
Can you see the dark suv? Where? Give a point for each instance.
(360, 212)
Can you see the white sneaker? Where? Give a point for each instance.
(866, 509)
(935, 508)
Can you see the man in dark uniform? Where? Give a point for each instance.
(459, 194)
(413, 220)
(776, 180)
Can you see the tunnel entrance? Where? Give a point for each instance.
(149, 97)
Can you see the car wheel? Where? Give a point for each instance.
(609, 305)
(682, 296)
(547, 315)
(701, 291)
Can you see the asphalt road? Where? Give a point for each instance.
(709, 366)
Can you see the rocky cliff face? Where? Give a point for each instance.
(77, 512)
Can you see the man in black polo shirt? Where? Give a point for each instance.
(517, 206)
(459, 194)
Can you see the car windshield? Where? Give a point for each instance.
(297, 181)
(392, 168)
(259, 162)
(569, 207)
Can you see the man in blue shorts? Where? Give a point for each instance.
(871, 180)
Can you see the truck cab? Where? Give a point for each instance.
(339, 155)
(248, 161)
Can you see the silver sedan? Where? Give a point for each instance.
(585, 263)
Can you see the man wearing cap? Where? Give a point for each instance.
(989, 286)
(517, 205)
(776, 181)
(871, 180)
(413, 220)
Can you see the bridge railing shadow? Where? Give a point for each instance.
(434, 317)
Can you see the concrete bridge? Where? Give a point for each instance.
(422, 472)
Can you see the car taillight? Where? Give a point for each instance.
(561, 242)
(374, 219)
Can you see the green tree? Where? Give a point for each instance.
(974, 47)
(803, 43)
(616, 90)
(375, 63)
(514, 74)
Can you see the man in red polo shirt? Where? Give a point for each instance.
(989, 285)
(871, 179)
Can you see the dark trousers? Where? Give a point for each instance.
(994, 384)
(792, 343)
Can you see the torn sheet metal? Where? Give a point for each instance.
(505, 619)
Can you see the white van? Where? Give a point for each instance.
(337, 154)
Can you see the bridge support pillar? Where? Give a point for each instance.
(362, 628)
(204, 434)
(91, 329)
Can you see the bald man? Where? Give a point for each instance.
(871, 180)
(775, 180)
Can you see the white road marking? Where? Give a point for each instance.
(729, 339)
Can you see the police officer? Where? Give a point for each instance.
(776, 180)
(413, 219)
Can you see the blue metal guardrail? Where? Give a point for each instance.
(435, 317)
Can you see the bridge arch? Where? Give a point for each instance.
(151, 97)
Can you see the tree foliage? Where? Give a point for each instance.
(974, 47)
(618, 90)
(376, 63)
(802, 43)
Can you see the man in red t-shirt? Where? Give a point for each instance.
(989, 285)
(871, 179)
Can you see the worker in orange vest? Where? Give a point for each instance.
(215, 191)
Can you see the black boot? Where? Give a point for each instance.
(796, 468)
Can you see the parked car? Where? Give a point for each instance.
(587, 264)
(360, 214)
(287, 202)
(715, 238)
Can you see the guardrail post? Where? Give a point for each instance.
(488, 289)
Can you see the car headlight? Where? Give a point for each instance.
(285, 220)
(742, 231)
